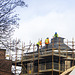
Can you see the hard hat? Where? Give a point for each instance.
(47, 37)
(55, 32)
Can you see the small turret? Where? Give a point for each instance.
(57, 40)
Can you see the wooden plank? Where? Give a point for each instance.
(68, 70)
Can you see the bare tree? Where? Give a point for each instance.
(8, 22)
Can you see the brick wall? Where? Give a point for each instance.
(5, 65)
(5, 73)
(2, 54)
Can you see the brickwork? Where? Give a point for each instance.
(5, 65)
(5, 73)
(2, 54)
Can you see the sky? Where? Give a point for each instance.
(42, 18)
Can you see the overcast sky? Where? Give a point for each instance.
(42, 18)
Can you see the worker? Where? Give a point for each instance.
(55, 35)
(47, 42)
(38, 45)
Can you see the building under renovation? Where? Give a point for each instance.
(54, 60)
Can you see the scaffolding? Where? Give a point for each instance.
(51, 61)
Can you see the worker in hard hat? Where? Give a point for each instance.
(47, 42)
(39, 43)
(55, 35)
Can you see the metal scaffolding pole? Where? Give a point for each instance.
(66, 55)
(16, 57)
(33, 58)
(59, 56)
(52, 55)
(38, 60)
(73, 51)
(22, 57)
